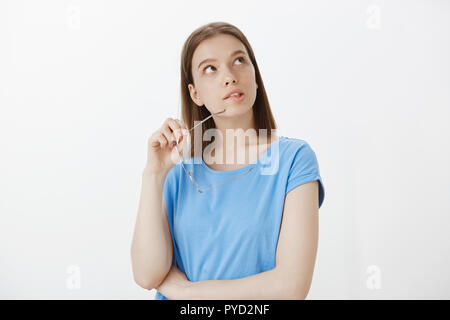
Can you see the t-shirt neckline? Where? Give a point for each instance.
(239, 170)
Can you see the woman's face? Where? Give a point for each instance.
(228, 68)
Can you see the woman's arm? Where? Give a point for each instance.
(295, 260)
(152, 249)
(268, 285)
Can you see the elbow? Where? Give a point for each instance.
(148, 280)
(143, 283)
(146, 275)
(147, 283)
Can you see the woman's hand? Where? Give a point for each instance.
(174, 284)
(161, 154)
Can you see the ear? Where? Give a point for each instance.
(194, 95)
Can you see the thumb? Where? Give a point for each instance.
(177, 152)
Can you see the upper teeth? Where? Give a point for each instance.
(234, 94)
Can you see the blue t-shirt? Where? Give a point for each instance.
(231, 232)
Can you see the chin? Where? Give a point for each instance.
(236, 110)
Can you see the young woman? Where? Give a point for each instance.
(209, 228)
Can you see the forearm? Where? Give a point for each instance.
(268, 285)
(151, 250)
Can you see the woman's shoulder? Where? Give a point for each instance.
(282, 153)
(293, 144)
(297, 150)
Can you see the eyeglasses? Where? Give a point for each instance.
(189, 172)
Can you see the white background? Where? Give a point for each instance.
(83, 84)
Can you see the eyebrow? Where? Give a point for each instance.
(211, 59)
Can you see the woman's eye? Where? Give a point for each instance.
(207, 68)
(242, 58)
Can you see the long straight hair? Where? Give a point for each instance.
(190, 112)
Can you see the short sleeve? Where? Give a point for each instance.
(305, 168)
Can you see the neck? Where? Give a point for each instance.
(238, 129)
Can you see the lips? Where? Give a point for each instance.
(234, 91)
(236, 98)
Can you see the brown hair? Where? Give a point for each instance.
(190, 112)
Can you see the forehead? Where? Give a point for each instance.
(218, 47)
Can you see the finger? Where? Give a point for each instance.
(181, 124)
(183, 128)
(181, 147)
(175, 127)
(177, 153)
(165, 129)
(154, 141)
(161, 139)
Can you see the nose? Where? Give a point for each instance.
(230, 78)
